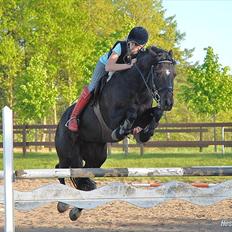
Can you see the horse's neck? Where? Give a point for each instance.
(126, 90)
(139, 75)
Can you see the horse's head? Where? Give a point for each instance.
(163, 74)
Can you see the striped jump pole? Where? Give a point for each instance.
(124, 172)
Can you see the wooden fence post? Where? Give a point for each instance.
(24, 134)
(50, 138)
(125, 146)
(215, 138)
(201, 139)
(141, 149)
(36, 139)
(108, 148)
(223, 139)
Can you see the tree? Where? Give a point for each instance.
(35, 92)
(11, 56)
(208, 90)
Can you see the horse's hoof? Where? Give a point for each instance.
(90, 185)
(116, 136)
(85, 184)
(62, 207)
(75, 213)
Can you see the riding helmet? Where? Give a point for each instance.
(138, 35)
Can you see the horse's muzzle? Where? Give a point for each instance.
(166, 102)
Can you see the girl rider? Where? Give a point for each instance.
(118, 58)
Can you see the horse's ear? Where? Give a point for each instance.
(152, 52)
(170, 53)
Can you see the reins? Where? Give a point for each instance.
(154, 91)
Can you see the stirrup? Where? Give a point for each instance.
(66, 124)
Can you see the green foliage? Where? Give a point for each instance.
(208, 90)
(63, 41)
(35, 91)
(11, 56)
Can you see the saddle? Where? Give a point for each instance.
(99, 88)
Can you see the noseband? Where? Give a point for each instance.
(154, 91)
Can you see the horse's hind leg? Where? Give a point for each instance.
(61, 180)
(68, 153)
(76, 162)
(94, 155)
(62, 207)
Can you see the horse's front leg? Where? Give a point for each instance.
(153, 121)
(125, 128)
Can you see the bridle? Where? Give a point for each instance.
(154, 91)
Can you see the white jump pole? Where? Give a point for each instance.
(7, 117)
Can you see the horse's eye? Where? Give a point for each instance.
(158, 72)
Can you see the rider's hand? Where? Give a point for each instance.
(136, 130)
(133, 61)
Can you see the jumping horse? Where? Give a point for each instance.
(124, 104)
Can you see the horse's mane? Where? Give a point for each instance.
(153, 52)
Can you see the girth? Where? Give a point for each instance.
(105, 130)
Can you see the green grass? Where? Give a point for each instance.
(168, 160)
(119, 160)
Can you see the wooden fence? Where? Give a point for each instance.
(199, 135)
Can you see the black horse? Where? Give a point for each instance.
(125, 103)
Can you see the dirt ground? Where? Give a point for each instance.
(178, 216)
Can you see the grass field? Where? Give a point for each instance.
(119, 160)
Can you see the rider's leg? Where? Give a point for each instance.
(79, 106)
(98, 73)
(85, 96)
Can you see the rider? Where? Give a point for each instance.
(118, 58)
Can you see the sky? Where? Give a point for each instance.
(206, 23)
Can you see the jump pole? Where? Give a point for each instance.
(7, 117)
(124, 172)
